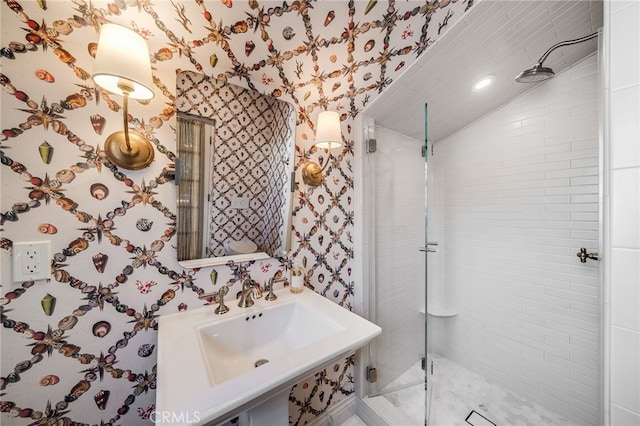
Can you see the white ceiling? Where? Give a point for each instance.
(494, 37)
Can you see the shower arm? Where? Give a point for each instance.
(564, 43)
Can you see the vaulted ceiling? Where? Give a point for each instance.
(494, 37)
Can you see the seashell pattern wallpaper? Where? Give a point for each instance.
(81, 348)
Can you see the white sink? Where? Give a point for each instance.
(232, 346)
(207, 363)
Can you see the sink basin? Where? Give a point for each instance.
(213, 367)
(236, 345)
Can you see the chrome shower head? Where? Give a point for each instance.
(540, 73)
(535, 74)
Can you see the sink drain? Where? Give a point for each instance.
(260, 362)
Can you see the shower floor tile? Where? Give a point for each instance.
(457, 391)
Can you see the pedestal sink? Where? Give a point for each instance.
(212, 368)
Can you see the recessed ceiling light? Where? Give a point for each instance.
(483, 82)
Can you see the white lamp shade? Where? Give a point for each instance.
(123, 56)
(328, 131)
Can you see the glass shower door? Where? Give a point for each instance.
(397, 174)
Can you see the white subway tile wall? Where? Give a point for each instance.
(515, 199)
(622, 26)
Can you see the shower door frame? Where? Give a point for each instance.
(428, 370)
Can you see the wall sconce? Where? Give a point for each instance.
(328, 136)
(122, 67)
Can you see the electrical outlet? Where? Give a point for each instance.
(31, 261)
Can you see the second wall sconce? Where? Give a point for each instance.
(328, 136)
(122, 67)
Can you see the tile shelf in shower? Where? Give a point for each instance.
(439, 311)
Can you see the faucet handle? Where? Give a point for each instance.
(209, 297)
(271, 296)
(219, 298)
(583, 255)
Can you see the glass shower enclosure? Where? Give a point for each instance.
(396, 261)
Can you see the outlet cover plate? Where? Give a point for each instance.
(31, 261)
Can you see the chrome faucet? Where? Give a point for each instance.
(250, 290)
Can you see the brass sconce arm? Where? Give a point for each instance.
(312, 172)
(328, 135)
(128, 149)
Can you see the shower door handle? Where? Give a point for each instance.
(427, 249)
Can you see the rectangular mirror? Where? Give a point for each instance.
(234, 172)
